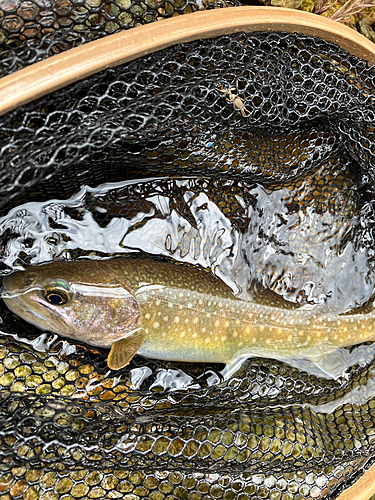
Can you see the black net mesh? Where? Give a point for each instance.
(290, 113)
(31, 31)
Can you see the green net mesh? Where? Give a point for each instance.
(290, 113)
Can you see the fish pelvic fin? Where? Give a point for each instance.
(123, 351)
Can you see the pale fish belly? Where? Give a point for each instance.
(201, 328)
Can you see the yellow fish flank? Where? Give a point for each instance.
(173, 313)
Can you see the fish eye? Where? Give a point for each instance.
(58, 293)
(56, 297)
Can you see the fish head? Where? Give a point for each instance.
(79, 303)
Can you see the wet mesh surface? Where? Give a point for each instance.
(269, 108)
(31, 31)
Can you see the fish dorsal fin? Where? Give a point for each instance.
(123, 351)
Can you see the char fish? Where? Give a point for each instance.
(164, 311)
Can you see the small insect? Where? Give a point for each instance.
(235, 99)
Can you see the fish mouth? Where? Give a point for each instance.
(13, 286)
(14, 300)
(5, 293)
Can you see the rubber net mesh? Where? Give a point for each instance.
(34, 30)
(291, 112)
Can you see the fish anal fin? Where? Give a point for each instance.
(330, 365)
(123, 351)
(334, 363)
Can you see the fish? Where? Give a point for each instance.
(170, 312)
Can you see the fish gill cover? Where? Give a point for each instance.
(276, 135)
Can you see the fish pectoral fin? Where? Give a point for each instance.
(123, 351)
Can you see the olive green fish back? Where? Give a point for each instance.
(71, 429)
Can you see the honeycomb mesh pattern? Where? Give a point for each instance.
(173, 112)
(32, 30)
(258, 107)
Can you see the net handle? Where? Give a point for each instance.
(44, 77)
(362, 489)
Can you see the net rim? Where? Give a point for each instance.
(76, 64)
(58, 71)
(362, 489)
